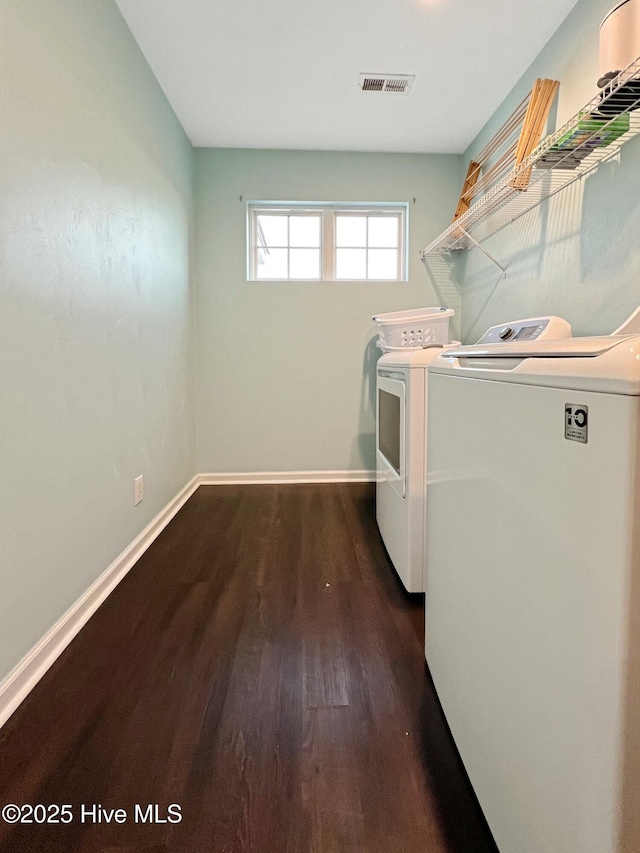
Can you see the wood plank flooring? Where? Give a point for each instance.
(261, 667)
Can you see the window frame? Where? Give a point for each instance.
(328, 212)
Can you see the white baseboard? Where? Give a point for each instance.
(278, 477)
(24, 677)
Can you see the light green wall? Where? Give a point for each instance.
(578, 255)
(96, 345)
(286, 370)
(98, 374)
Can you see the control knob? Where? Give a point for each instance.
(506, 333)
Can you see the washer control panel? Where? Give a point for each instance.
(527, 330)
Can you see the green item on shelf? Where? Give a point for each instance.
(593, 131)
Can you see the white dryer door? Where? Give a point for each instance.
(390, 429)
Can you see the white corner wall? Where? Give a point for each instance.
(96, 313)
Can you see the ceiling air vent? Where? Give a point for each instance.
(395, 84)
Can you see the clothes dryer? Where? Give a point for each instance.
(401, 442)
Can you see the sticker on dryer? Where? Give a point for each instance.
(576, 421)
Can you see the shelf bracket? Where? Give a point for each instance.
(484, 251)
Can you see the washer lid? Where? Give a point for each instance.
(561, 348)
(609, 364)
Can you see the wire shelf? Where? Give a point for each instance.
(595, 134)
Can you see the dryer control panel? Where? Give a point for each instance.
(531, 329)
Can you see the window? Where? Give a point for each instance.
(330, 242)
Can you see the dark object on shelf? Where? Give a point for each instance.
(563, 160)
(625, 99)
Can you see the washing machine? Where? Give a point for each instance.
(533, 584)
(401, 404)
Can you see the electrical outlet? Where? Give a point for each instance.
(138, 484)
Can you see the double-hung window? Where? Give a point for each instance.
(327, 242)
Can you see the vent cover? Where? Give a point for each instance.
(395, 84)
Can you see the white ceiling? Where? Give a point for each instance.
(284, 73)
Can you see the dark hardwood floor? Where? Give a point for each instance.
(261, 667)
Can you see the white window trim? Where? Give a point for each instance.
(327, 212)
